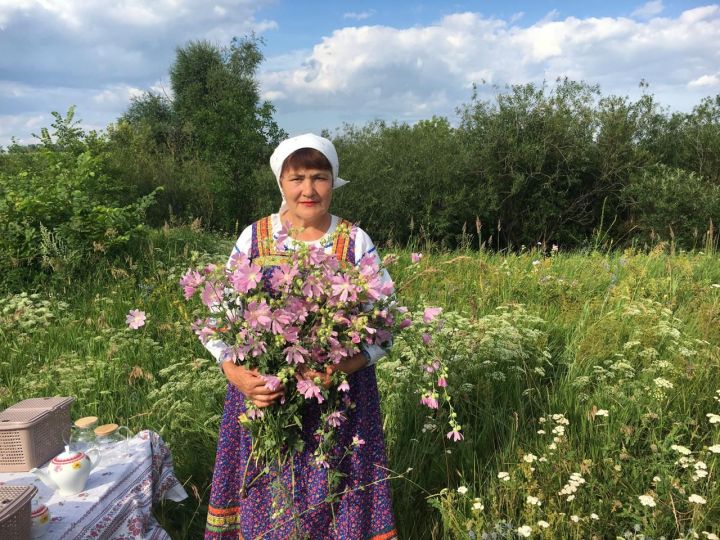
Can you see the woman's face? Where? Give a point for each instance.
(308, 193)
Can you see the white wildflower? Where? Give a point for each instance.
(656, 479)
(570, 498)
(525, 531)
(710, 536)
(544, 524)
(697, 499)
(602, 412)
(663, 383)
(462, 490)
(594, 516)
(541, 432)
(541, 420)
(714, 418)
(575, 518)
(504, 476)
(533, 500)
(542, 459)
(478, 505)
(682, 449)
(647, 500)
(715, 448)
(529, 458)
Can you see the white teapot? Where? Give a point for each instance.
(68, 472)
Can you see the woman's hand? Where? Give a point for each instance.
(251, 384)
(348, 365)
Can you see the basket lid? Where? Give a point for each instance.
(48, 403)
(21, 418)
(14, 497)
(106, 429)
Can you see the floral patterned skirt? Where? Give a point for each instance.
(362, 512)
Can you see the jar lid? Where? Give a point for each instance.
(86, 422)
(106, 429)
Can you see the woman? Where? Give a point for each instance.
(306, 169)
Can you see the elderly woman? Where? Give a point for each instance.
(306, 169)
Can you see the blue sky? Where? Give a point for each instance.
(350, 61)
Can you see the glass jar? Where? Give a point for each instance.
(82, 437)
(110, 439)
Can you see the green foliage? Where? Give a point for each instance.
(204, 145)
(670, 204)
(59, 210)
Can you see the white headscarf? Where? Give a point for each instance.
(308, 140)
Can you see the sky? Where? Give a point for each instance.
(350, 61)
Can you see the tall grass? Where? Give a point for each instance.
(528, 335)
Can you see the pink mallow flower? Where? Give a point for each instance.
(212, 294)
(258, 315)
(295, 354)
(310, 390)
(357, 441)
(442, 383)
(405, 323)
(190, 282)
(344, 387)
(335, 419)
(455, 435)
(272, 382)
(282, 277)
(429, 400)
(245, 278)
(415, 257)
(135, 319)
(431, 313)
(343, 289)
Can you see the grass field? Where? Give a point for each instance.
(587, 385)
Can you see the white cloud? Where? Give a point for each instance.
(649, 9)
(359, 15)
(705, 81)
(396, 73)
(119, 94)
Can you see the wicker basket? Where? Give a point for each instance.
(15, 521)
(31, 432)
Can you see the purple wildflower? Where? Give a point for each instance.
(245, 278)
(190, 282)
(258, 315)
(336, 418)
(272, 382)
(415, 257)
(295, 354)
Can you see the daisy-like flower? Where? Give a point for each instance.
(504, 476)
(135, 319)
(697, 499)
(647, 500)
(525, 531)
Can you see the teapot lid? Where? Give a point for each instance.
(68, 456)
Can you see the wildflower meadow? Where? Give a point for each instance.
(583, 388)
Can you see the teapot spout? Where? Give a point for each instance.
(45, 478)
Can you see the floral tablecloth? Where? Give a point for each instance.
(118, 497)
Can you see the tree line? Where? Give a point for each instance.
(558, 163)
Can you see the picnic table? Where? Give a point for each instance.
(118, 497)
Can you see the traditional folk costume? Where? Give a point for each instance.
(364, 512)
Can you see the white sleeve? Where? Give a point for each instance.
(365, 246)
(242, 245)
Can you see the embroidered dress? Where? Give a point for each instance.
(363, 511)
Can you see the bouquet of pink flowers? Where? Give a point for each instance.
(304, 314)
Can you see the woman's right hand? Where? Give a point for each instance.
(251, 384)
